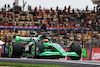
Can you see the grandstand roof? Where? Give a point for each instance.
(96, 1)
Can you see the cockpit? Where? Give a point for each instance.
(44, 38)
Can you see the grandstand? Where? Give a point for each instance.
(25, 23)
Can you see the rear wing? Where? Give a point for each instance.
(18, 38)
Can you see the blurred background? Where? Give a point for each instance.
(66, 20)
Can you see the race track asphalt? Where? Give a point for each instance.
(53, 62)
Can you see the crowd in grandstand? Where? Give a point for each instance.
(53, 18)
(59, 18)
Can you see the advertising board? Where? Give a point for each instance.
(96, 54)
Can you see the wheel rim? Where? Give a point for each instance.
(10, 50)
(72, 47)
(33, 50)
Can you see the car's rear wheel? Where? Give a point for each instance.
(15, 49)
(36, 49)
(75, 47)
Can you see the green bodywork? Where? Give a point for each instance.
(10, 50)
(58, 48)
(84, 52)
(18, 39)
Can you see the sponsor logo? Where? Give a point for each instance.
(95, 55)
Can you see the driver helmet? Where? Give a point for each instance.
(45, 40)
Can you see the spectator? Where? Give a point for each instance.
(51, 9)
(44, 27)
(95, 35)
(94, 9)
(69, 9)
(29, 7)
(39, 7)
(73, 11)
(57, 8)
(86, 8)
(97, 8)
(65, 8)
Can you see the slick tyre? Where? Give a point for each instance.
(36, 49)
(75, 47)
(15, 50)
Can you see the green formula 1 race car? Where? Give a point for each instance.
(42, 47)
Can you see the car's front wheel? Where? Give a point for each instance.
(75, 47)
